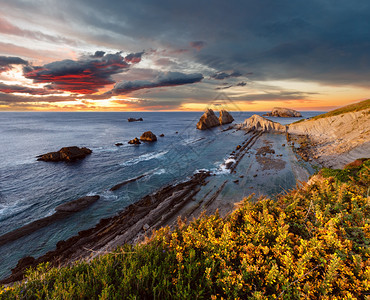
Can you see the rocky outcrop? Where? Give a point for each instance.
(209, 119)
(65, 154)
(225, 117)
(135, 141)
(283, 112)
(134, 120)
(148, 136)
(61, 212)
(259, 123)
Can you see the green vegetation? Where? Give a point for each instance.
(311, 243)
(349, 108)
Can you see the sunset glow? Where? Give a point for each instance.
(55, 59)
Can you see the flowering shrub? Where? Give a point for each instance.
(312, 243)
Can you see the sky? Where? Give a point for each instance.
(121, 55)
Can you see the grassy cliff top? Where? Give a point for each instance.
(312, 243)
(346, 109)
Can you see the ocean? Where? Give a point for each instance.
(31, 189)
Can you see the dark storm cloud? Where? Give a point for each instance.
(5, 88)
(134, 57)
(224, 75)
(320, 40)
(85, 76)
(162, 80)
(241, 83)
(6, 62)
(198, 45)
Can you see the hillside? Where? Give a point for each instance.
(311, 243)
(337, 137)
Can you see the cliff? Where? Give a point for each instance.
(336, 138)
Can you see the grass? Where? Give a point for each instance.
(346, 109)
(312, 243)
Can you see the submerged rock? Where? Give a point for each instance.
(65, 154)
(283, 112)
(134, 120)
(118, 144)
(148, 136)
(135, 141)
(162, 135)
(225, 117)
(77, 205)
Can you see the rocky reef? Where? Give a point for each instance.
(148, 136)
(65, 154)
(283, 113)
(209, 119)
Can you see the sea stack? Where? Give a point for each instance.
(283, 113)
(209, 119)
(65, 154)
(148, 136)
(225, 117)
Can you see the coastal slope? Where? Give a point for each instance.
(333, 139)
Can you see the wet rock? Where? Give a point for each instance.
(208, 120)
(148, 136)
(77, 205)
(283, 112)
(255, 175)
(118, 144)
(161, 135)
(236, 181)
(238, 147)
(135, 141)
(134, 120)
(225, 117)
(65, 154)
(283, 145)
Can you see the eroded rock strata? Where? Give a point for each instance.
(65, 154)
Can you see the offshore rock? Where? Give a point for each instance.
(283, 112)
(208, 120)
(148, 136)
(259, 123)
(135, 141)
(65, 154)
(134, 120)
(225, 117)
(77, 205)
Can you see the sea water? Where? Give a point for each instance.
(31, 189)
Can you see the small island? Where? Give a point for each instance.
(65, 154)
(135, 120)
(283, 113)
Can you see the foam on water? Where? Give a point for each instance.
(144, 157)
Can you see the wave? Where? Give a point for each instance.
(144, 157)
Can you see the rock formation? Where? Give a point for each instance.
(134, 120)
(225, 117)
(135, 141)
(283, 112)
(65, 154)
(259, 123)
(148, 136)
(209, 119)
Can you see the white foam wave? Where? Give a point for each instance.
(144, 157)
(223, 169)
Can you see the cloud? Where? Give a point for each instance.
(163, 79)
(134, 58)
(198, 45)
(241, 83)
(6, 62)
(5, 88)
(224, 75)
(85, 76)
